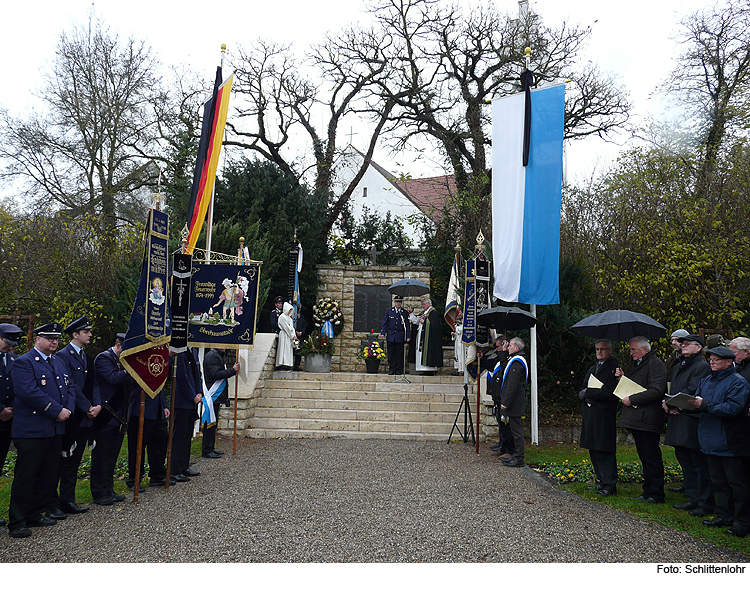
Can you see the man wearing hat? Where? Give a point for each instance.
(724, 436)
(676, 356)
(43, 402)
(112, 386)
(276, 312)
(10, 334)
(682, 429)
(393, 329)
(79, 429)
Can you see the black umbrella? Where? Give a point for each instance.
(506, 318)
(619, 325)
(409, 288)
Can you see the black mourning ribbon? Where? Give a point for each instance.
(527, 81)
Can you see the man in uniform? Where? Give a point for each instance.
(155, 439)
(79, 429)
(42, 404)
(393, 330)
(10, 334)
(188, 393)
(599, 424)
(112, 385)
(214, 370)
(275, 313)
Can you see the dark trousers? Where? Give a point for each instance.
(605, 468)
(731, 480)
(106, 449)
(5, 440)
(516, 430)
(35, 478)
(647, 446)
(209, 433)
(73, 446)
(395, 358)
(184, 418)
(696, 477)
(155, 436)
(507, 446)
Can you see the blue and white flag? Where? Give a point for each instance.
(526, 200)
(208, 418)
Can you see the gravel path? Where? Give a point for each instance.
(340, 500)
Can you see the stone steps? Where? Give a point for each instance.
(295, 404)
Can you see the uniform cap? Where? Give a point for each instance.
(398, 298)
(278, 299)
(78, 325)
(53, 330)
(11, 334)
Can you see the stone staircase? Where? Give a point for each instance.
(357, 405)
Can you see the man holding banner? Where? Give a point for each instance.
(216, 375)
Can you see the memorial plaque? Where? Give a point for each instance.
(370, 304)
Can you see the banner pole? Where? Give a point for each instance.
(139, 448)
(479, 379)
(534, 398)
(236, 387)
(173, 389)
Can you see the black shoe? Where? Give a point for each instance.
(20, 532)
(212, 454)
(496, 447)
(41, 521)
(56, 514)
(118, 498)
(172, 482)
(72, 508)
(596, 486)
(654, 501)
(677, 489)
(218, 451)
(687, 506)
(606, 492)
(513, 463)
(737, 532)
(190, 472)
(141, 489)
(700, 512)
(717, 522)
(3, 523)
(105, 501)
(179, 478)
(639, 498)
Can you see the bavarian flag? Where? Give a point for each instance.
(526, 200)
(208, 418)
(212, 133)
(145, 351)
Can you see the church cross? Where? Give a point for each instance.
(374, 252)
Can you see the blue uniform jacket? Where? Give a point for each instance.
(189, 380)
(41, 392)
(723, 428)
(6, 388)
(154, 406)
(393, 324)
(77, 371)
(110, 382)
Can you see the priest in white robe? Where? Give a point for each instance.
(285, 345)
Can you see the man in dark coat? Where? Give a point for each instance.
(682, 429)
(511, 383)
(644, 417)
(10, 335)
(188, 393)
(79, 429)
(215, 370)
(393, 330)
(494, 362)
(300, 331)
(113, 387)
(741, 349)
(42, 404)
(599, 424)
(724, 436)
(275, 313)
(155, 435)
(429, 343)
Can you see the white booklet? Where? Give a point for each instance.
(627, 387)
(594, 382)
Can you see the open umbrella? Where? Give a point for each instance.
(409, 288)
(506, 318)
(619, 325)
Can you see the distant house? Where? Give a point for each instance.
(381, 191)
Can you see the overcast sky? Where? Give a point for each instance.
(630, 39)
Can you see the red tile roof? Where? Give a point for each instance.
(429, 194)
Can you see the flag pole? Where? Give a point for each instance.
(173, 360)
(213, 188)
(236, 387)
(534, 390)
(139, 449)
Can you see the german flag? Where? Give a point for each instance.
(212, 133)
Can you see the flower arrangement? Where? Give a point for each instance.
(328, 309)
(372, 351)
(317, 344)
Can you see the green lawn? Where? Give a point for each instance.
(569, 466)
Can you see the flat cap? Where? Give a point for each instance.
(723, 352)
(679, 334)
(692, 337)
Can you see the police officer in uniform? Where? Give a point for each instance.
(112, 386)
(393, 330)
(79, 429)
(10, 334)
(275, 313)
(43, 402)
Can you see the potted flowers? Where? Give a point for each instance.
(317, 350)
(372, 353)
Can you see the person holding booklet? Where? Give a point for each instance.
(682, 427)
(643, 417)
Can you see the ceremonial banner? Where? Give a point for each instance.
(468, 334)
(453, 301)
(180, 301)
(145, 354)
(482, 297)
(526, 200)
(223, 305)
(212, 134)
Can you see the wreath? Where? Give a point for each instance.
(328, 309)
